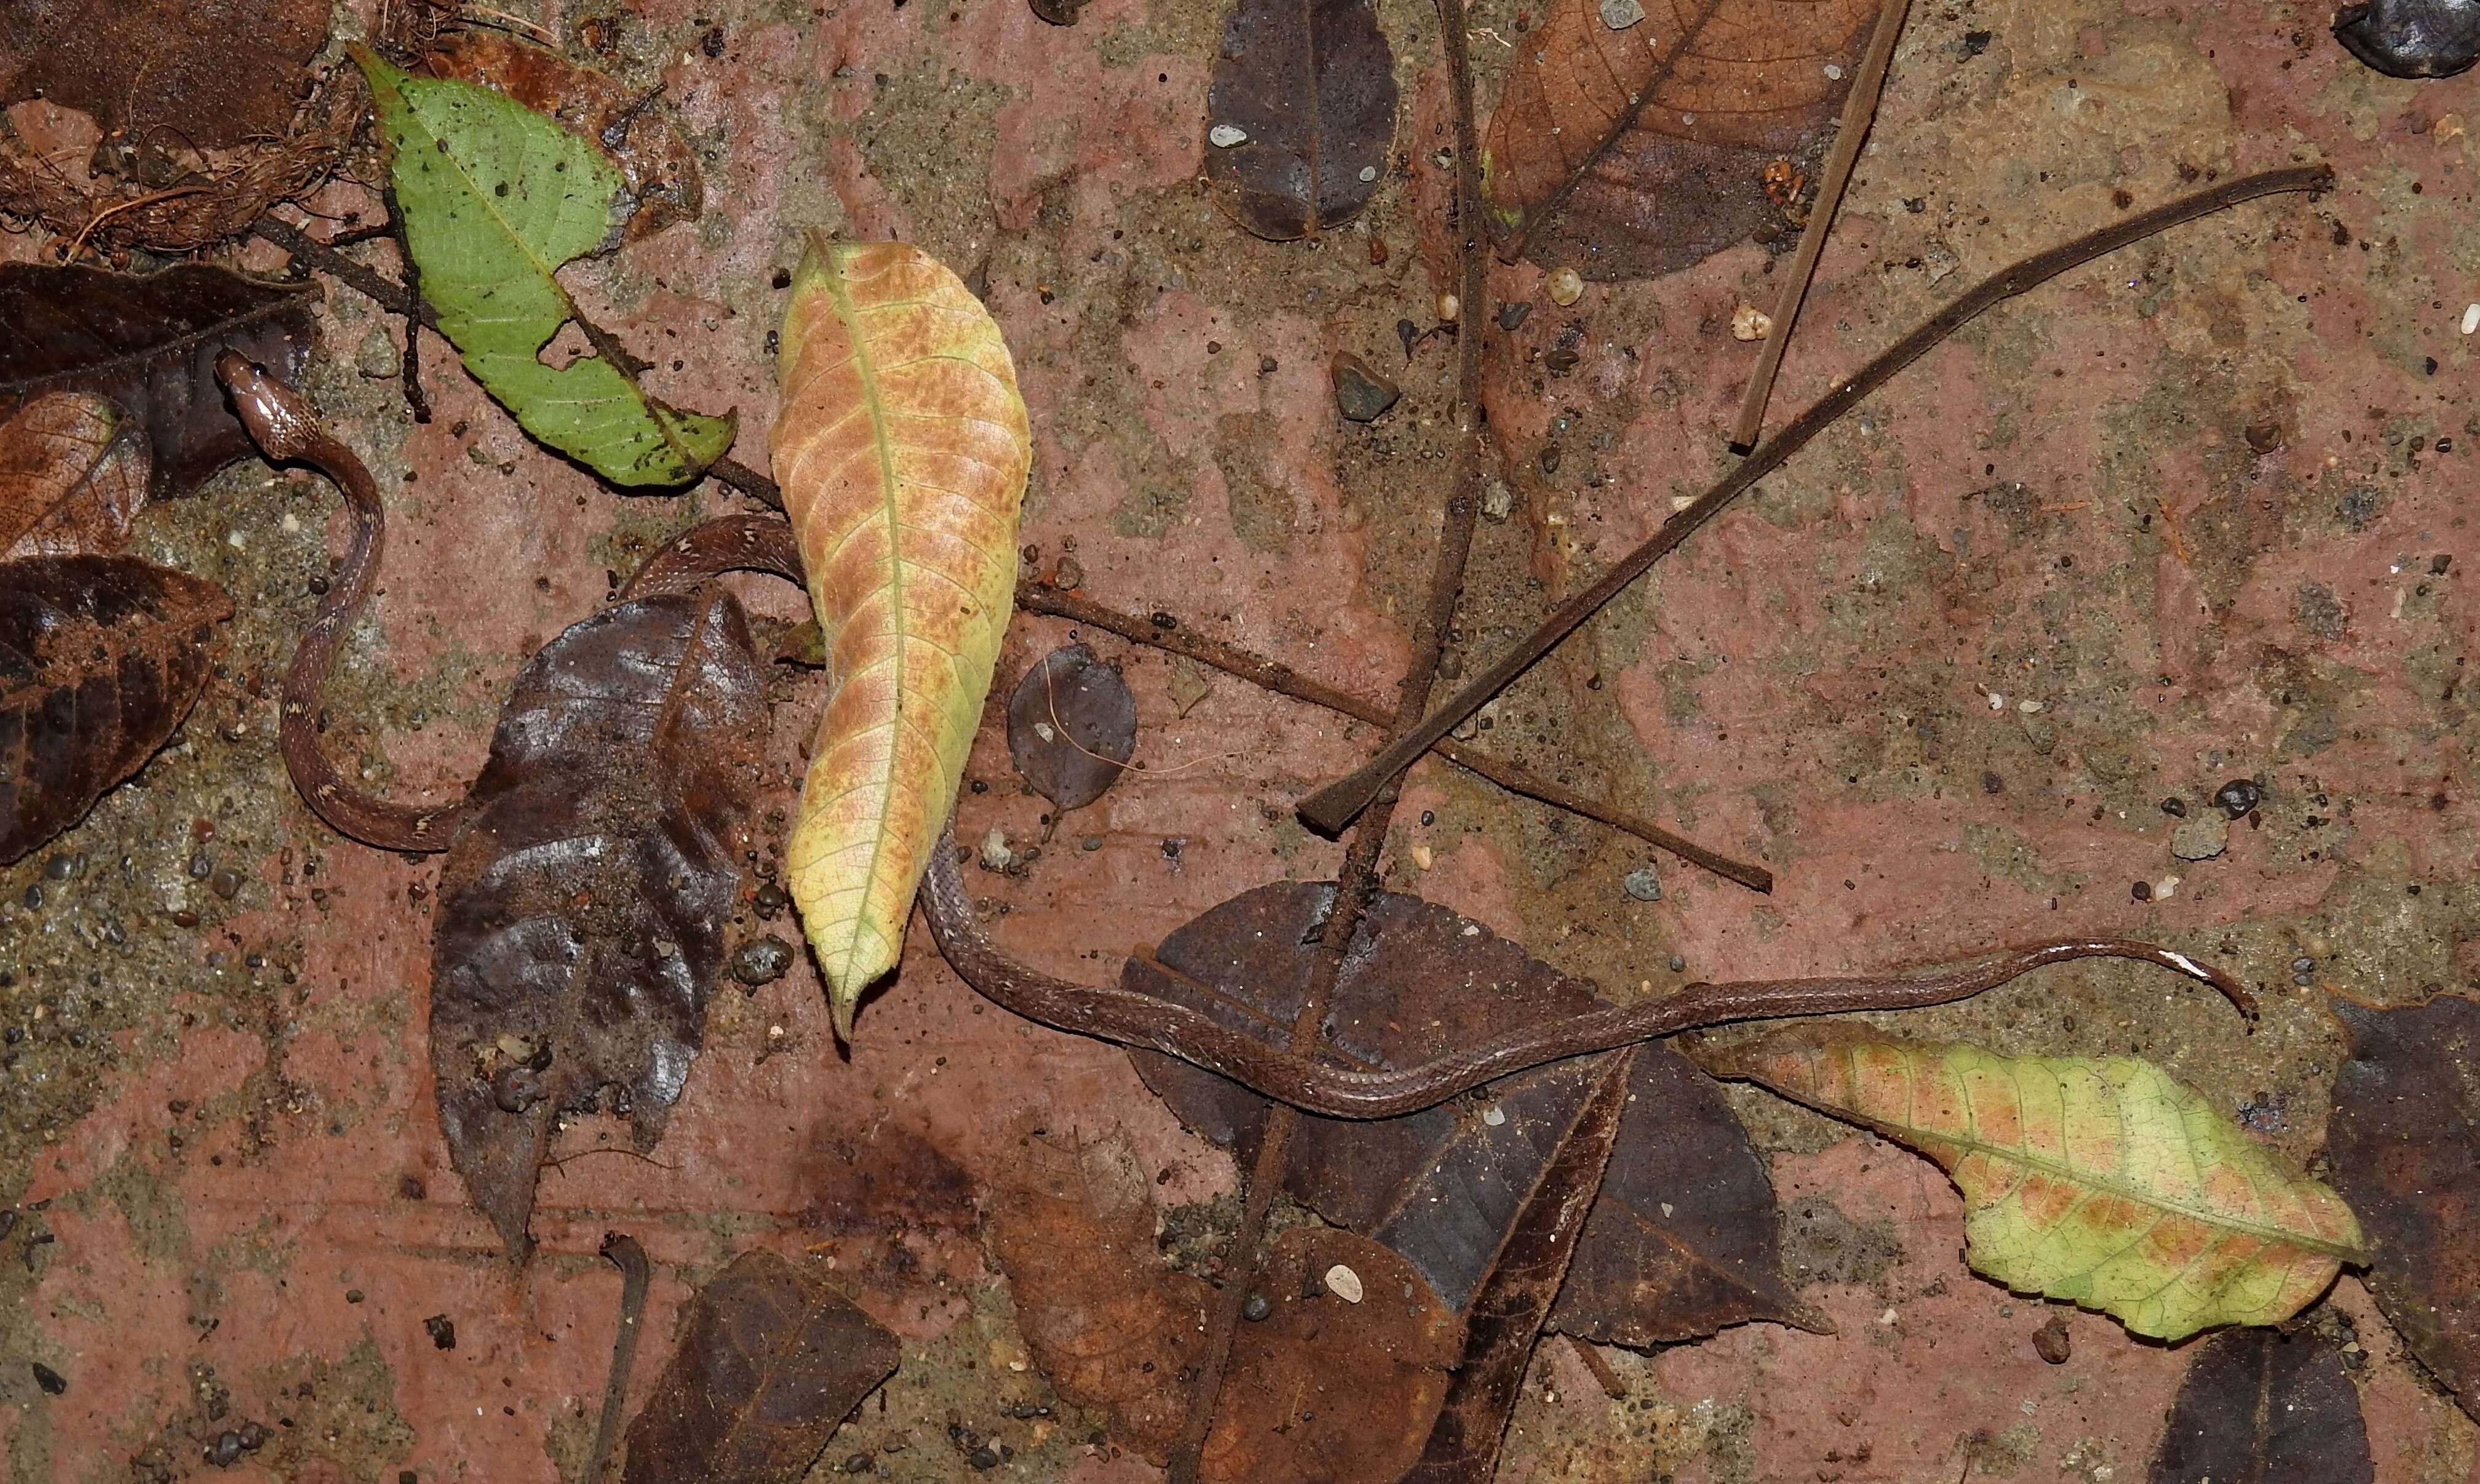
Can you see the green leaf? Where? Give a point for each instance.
(496, 198)
(2096, 1180)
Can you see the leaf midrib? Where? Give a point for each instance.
(2060, 1169)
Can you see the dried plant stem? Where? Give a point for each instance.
(1358, 881)
(1330, 809)
(1859, 110)
(635, 1277)
(393, 297)
(1284, 681)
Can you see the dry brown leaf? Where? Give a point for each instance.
(1647, 145)
(72, 476)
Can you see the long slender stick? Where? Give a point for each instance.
(1859, 110)
(635, 1276)
(1284, 681)
(1331, 807)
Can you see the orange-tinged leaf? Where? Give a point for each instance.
(902, 449)
(2098, 1180)
(72, 476)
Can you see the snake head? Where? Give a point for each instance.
(280, 420)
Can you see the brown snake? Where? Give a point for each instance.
(287, 429)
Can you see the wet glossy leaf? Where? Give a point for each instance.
(582, 907)
(658, 172)
(206, 72)
(150, 344)
(2412, 38)
(2260, 1407)
(496, 198)
(2096, 1180)
(1683, 1241)
(771, 1360)
(101, 657)
(1524, 1280)
(1333, 1390)
(72, 476)
(2405, 1147)
(902, 449)
(1071, 727)
(1301, 114)
(1638, 150)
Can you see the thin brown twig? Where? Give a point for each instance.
(1591, 1355)
(1330, 809)
(635, 1278)
(1284, 681)
(392, 296)
(1358, 881)
(1859, 110)
(410, 369)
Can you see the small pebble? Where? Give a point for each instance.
(2470, 318)
(2175, 806)
(1750, 322)
(1093, 842)
(859, 1463)
(1224, 135)
(1449, 307)
(51, 1381)
(201, 868)
(770, 901)
(1363, 394)
(1620, 15)
(1565, 285)
(2240, 797)
(1343, 1283)
(2142, 891)
(1368, 173)
(61, 868)
(983, 1457)
(226, 1451)
(2201, 838)
(225, 883)
(2302, 966)
(1497, 498)
(442, 1331)
(1678, 964)
(761, 960)
(379, 357)
(996, 853)
(2052, 1341)
(1256, 1307)
(1642, 885)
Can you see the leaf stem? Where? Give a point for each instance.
(635, 1277)
(1331, 807)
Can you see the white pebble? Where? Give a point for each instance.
(1566, 285)
(1997, 702)
(1224, 135)
(1833, 73)
(1368, 172)
(1750, 322)
(1423, 856)
(1343, 1283)
(1494, 1115)
(2471, 317)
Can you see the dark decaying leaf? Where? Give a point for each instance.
(1684, 1239)
(1324, 1388)
(150, 344)
(2261, 1407)
(583, 904)
(1640, 150)
(2412, 38)
(101, 657)
(1071, 727)
(1524, 1280)
(771, 1360)
(203, 72)
(2404, 1145)
(664, 185)
(1327, 1387)
(72, 476)
(1299, 115)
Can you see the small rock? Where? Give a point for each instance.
(442, 1331)
(2240, 797)
(1256, 1307)
(1750, 322)
(2052, 1341)
(1361, 393)
(1642, 885)
(761, 960)
(1513, 313)
(2201, 838)
(379, 357)
(859, 1463)
(1497, 498)
(2264, 437)
(1343, 1283)
(51, 1381)
(996, 853)
(770, 901)
(983, 1457)
(226, 1451)
(1226, 136)
(1620, 15)
(1565, 285)
(225, 883)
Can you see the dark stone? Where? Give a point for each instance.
(2240, 797)
(761, 960)
(1513, 313)
(51, 1381)
(2412, 38)
(1362, 394)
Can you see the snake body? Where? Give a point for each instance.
(287, 429)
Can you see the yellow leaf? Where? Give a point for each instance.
(2097, 1180)
(902, 449)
